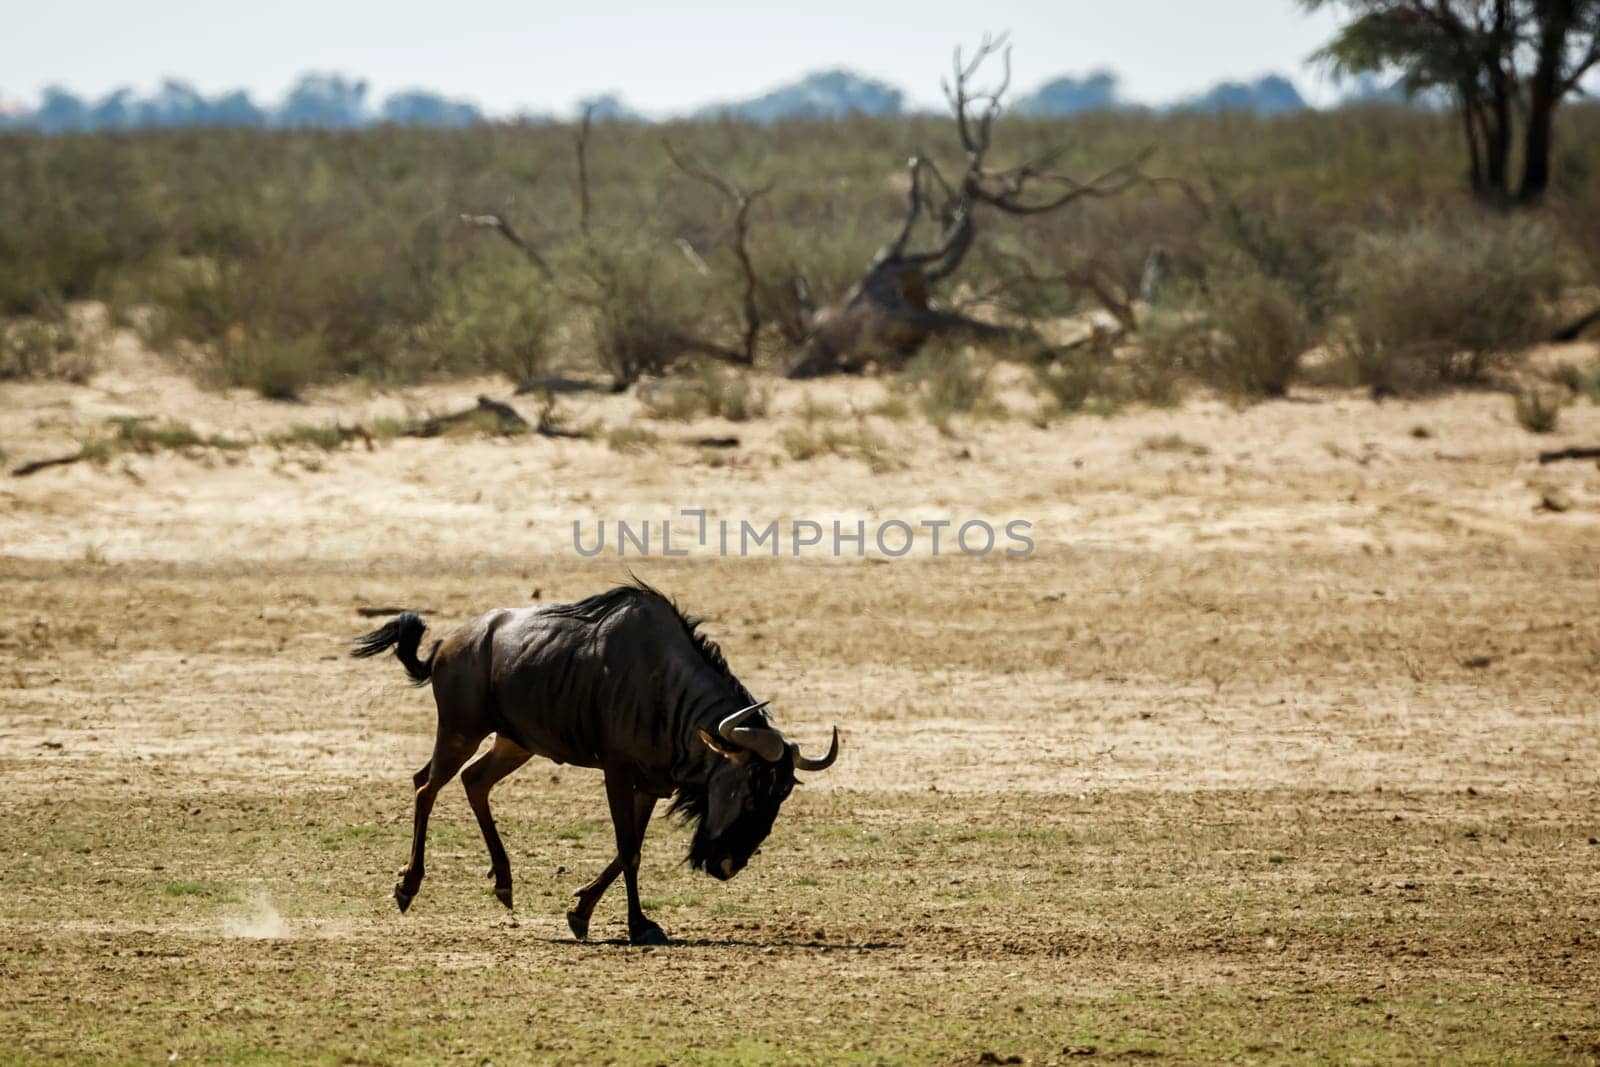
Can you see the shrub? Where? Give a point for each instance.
(1259, 332)
(277, 368)
(37, 348)
(1072, 377)
(643, 311)
(1538, 410)
(950, 379)
(858, 442)
(497, 319)
(1445, 304)
(707, 388)
(1167, 345)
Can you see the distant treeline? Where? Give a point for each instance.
(322, 101)
(333, 101)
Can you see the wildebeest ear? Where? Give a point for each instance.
(721, 748)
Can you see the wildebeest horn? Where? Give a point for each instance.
(807, 763)
(764, 742)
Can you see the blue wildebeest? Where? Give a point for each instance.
(623, 682)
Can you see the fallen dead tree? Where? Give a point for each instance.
(1592, 452)
(505, 419)
(890, 312)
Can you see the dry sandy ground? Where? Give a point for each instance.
(1281, 746)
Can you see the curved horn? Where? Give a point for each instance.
(807, 763)
(764, 742)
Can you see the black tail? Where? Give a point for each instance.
(404, 634)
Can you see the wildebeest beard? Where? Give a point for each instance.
(770, 785)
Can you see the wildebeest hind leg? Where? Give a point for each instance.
(481, 775)
(450, 751)
(585, 899)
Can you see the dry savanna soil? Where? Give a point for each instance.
(1282, 746)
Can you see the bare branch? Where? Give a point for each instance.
(498, 224)
(742, 200)
(581, 144)
(1094, 279)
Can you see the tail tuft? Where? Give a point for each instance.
(403, 633)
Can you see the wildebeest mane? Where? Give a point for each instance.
(595, 608)
(690, 801)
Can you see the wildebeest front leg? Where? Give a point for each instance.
(481, 775)
(630, 816)
(585, 899)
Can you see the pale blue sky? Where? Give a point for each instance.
(508, 55)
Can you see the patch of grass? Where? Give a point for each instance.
(1538, 410)
(811, 411)
(143, 435)
(1173, 442)
(893, 406)
(855, 442)
(46, 349)
(707, 389)
(327, 438)
(950, 380)
(631, 439)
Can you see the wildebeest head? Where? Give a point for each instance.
(753, 777)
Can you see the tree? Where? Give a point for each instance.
(1502, 61)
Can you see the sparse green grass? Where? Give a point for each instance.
(704, 389)
(1173, 442)
(327, 437)
(631, 439)
(859, 441)
(144, 436)
(1219, 950)
(812, 410)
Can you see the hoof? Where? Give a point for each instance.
(503, 895)
(648, 935)
(402, 898)
(578, 923)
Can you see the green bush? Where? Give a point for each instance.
(1071, 379)
(55, 348)
(1445, 304)
(497, 319)
(950, 379)
(1538, 410)
(345, 250)
(707, 388)
(643, 312)
(1259, 331)
(278, 368)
